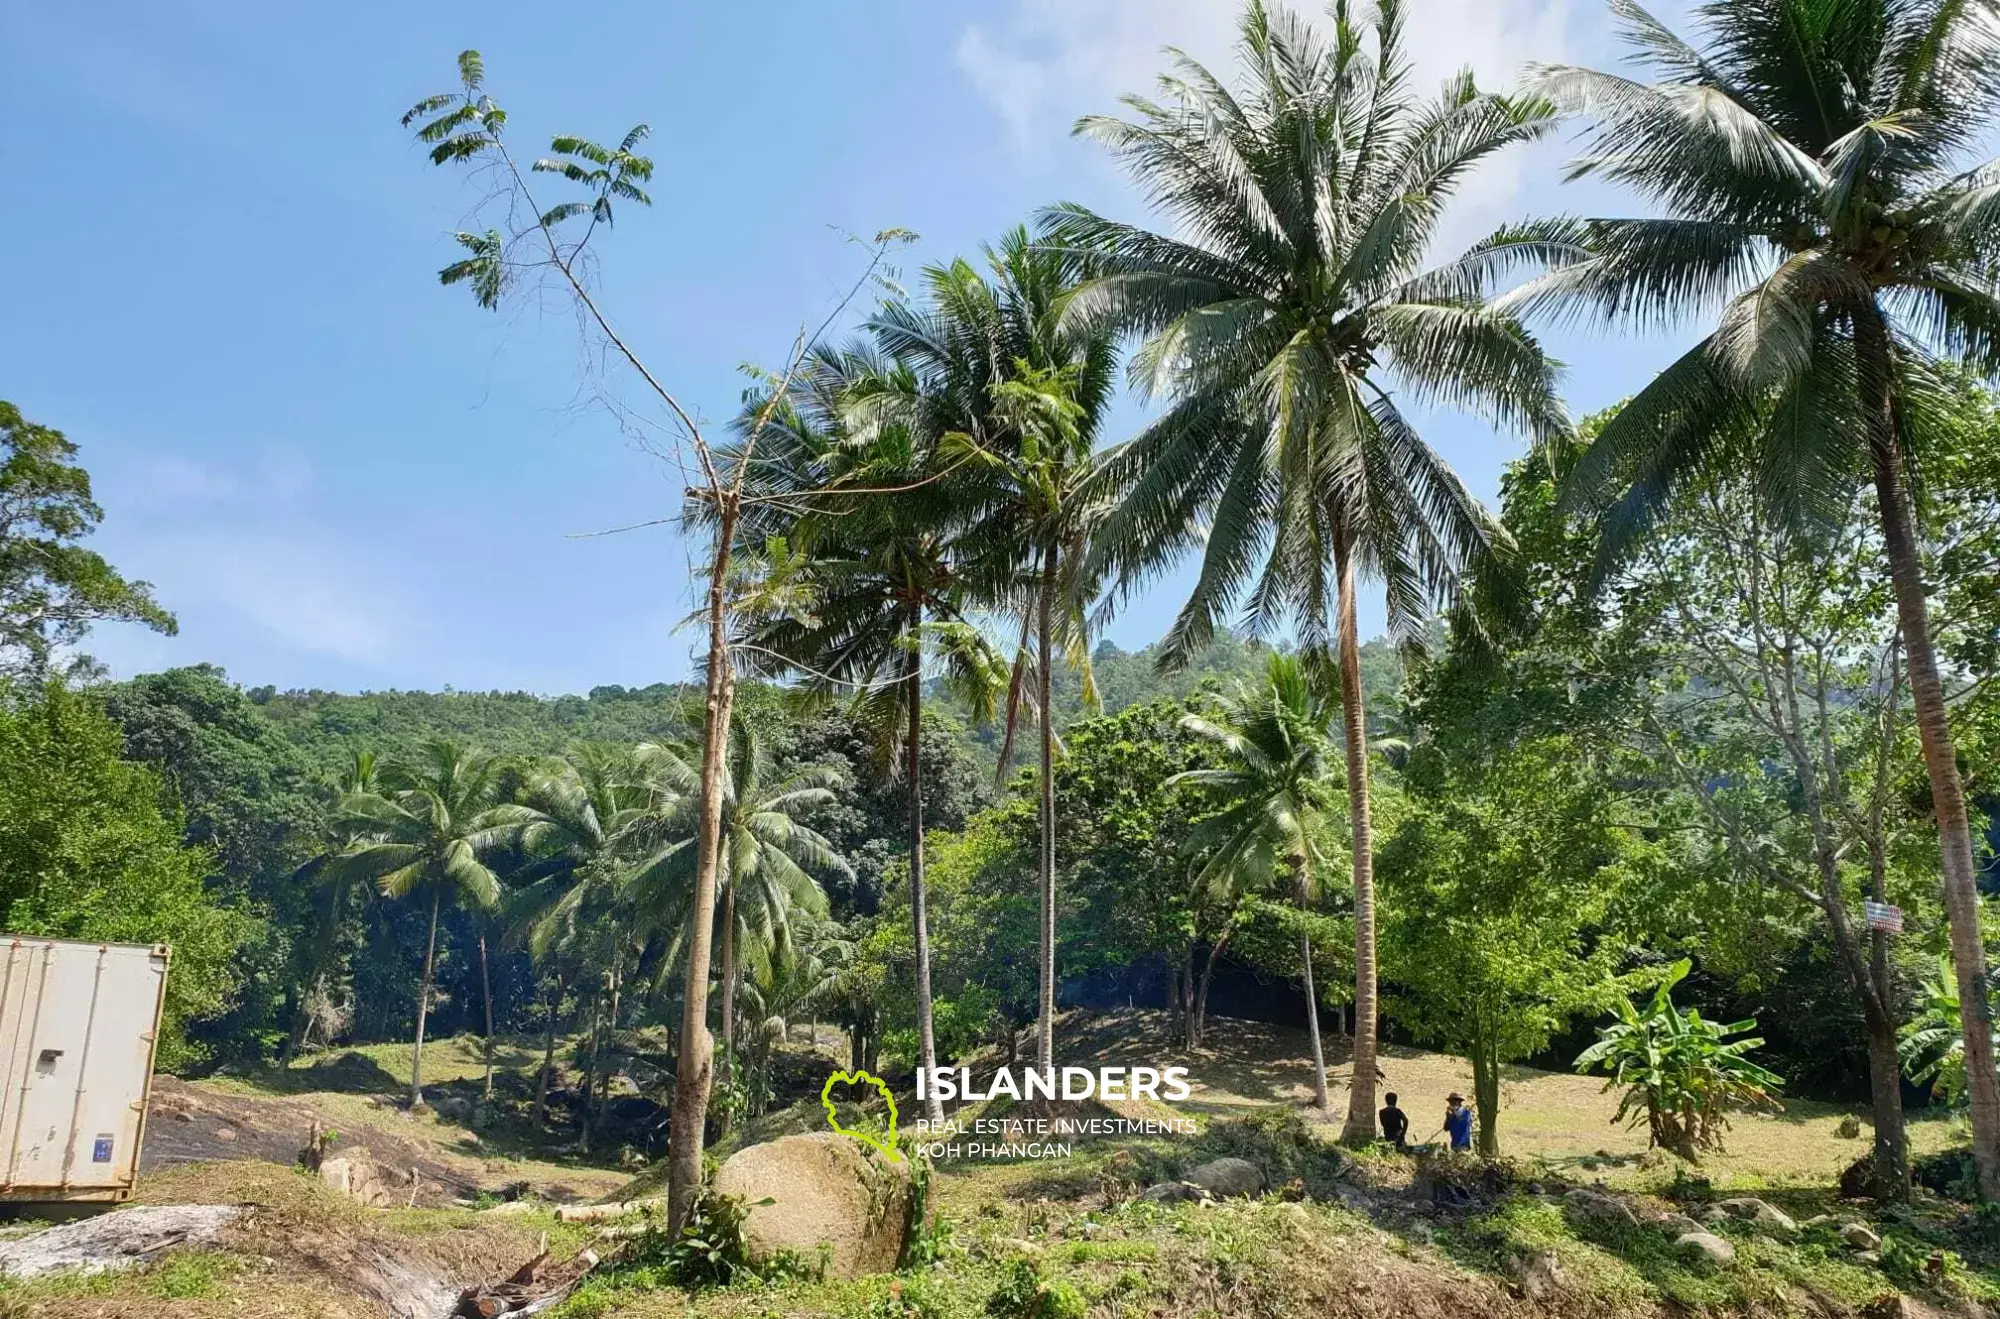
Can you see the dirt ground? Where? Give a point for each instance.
(1244, 1065)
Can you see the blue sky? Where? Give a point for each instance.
(220, 260)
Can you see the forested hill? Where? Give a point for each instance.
(326, 726)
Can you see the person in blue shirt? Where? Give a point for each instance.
(1457, 1121)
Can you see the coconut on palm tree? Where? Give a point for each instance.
(1017, 396)
(1273, 795)
(1280, 326)
(1819, 203)
(428, 831)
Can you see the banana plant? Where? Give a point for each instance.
(1680, 1071)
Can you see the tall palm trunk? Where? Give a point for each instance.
(486, 988)
(729, 972)
(1303, 881)
(1045, 1026)
(1961, 890)
(1360, 1125)
(919, 919)
(424, 1007)
(548, 1057)
(694, 1067)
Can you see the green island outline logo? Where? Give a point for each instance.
(888, 1149)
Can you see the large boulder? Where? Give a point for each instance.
(1227, 1177)
(831, 1197)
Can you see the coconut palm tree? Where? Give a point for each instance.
(769, 858)
(1017, 396)
(1819, 203)
(881, 577)
(1274, 327)
(1273, 794)
(428, 831)
(563, 903)
(332, 892)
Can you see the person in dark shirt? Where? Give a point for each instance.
(1458, 1121)
(1395, 1123)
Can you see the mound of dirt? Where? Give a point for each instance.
(185, 1124)
(828, 1195)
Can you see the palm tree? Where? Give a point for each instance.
(1813, 176)
(1017, 396)
(428, 831)
(1273, 795)
(1307, 198)
(768, 856)
(333, 891)
(881, 578)
(564, 904)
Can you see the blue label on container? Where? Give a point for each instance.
(100, 1152)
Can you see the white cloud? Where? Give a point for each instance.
(1050, 61)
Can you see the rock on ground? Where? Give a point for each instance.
(1706, 1245)
(831, 1196)
(1759, 1213)
(1224, 1177)
(1539, 1275)
(1600, 1206)
(1860, 1236)
(115, 1240)
(357, 1176)
(1173, 1193)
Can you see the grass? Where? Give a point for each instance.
(1039, 1238)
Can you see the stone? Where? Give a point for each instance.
(1600, 1207)
(1173, 1193)
(1226, 1176)
(831, 1198)
(1539, 1276)
(1678, 1225)
(1707, 1246)
(1860, 1236)
(355, 1175)
(225, 1134)
(1760, 1214)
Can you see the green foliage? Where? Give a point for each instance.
(1680, 1072)
(1024, 1293)
(1933, 1040)
(91, 847)
(51, 588)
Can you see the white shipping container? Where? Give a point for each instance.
(78, 1025)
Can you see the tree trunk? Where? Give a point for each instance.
(1320, 1100)
(1360, 1126)
(1200, 1029)
(590, 1065)
(1045, 1024)
(1961, 891)
(729, 969)
(548, 1058)
(486, 988)
(1486, 1097)
(695, 1066)
(919, 919)
(423, 1008)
